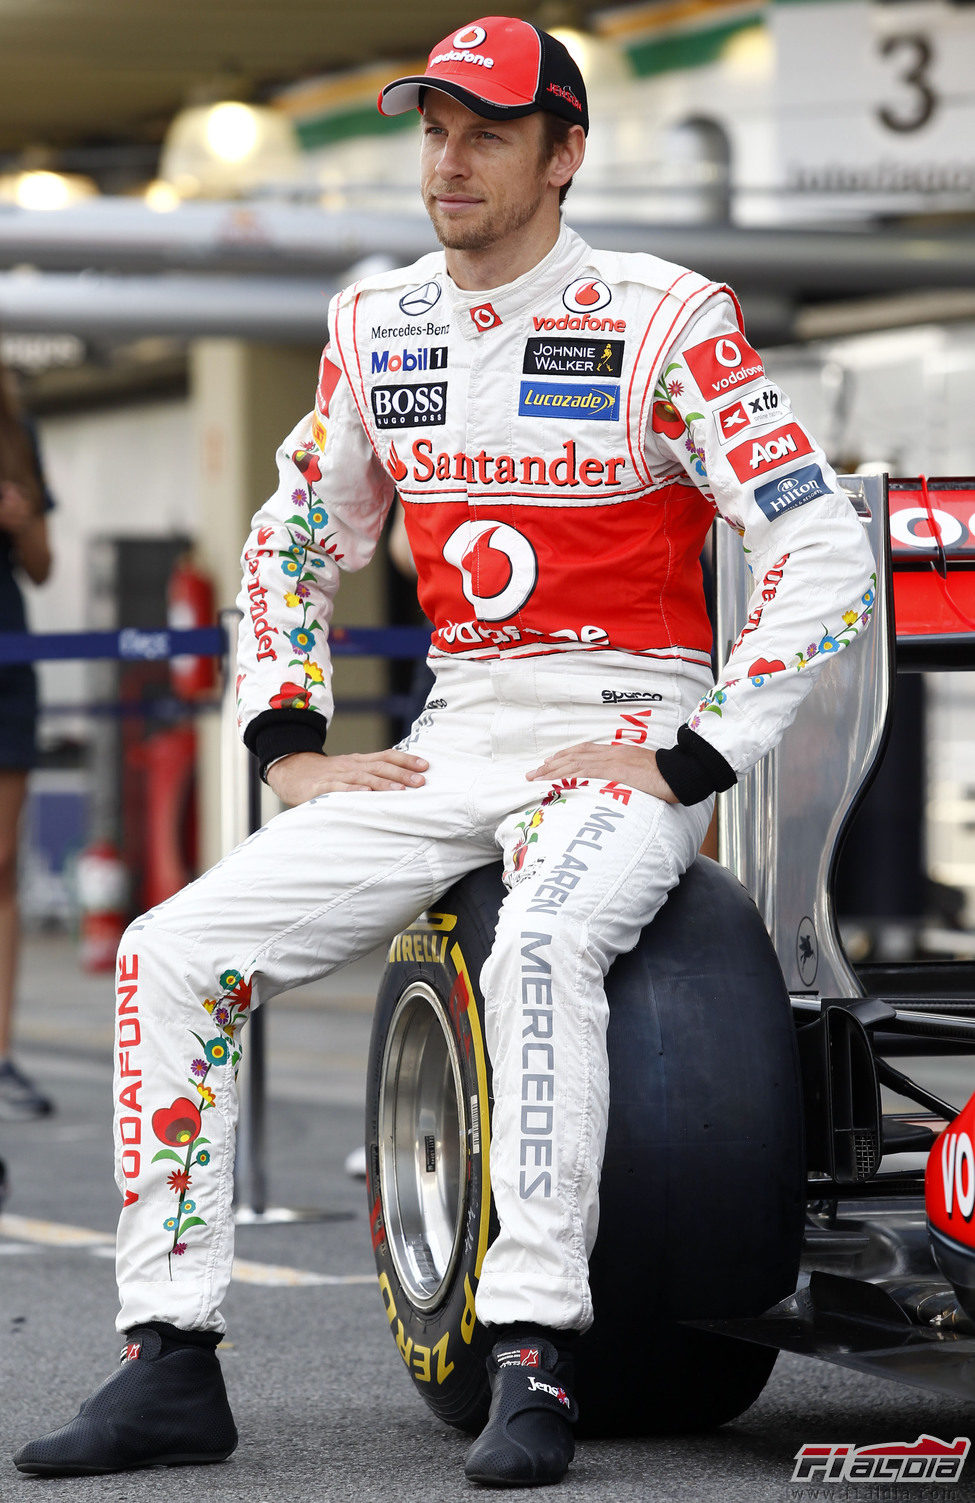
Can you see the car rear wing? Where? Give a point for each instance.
(781, 828)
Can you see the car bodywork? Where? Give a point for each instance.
(887, 1287)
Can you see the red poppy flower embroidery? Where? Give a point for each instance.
(290, 697)
(177, 1124)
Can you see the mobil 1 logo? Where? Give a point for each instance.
(422, 406)
(573, 357)
(391, 362)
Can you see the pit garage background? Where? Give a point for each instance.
(187, 188)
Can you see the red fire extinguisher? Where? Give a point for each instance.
(103, 897)
(190, 603)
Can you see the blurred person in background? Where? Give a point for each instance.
(563, 426)
(24, 548)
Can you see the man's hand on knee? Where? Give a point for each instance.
(636, 766)
(305, 775)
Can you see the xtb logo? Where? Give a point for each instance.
(498, 567)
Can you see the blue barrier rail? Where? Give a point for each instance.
(135, 644)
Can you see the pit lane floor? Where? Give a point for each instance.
(324, 1406)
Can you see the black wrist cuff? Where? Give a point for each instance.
(280, 733)
(693, 768)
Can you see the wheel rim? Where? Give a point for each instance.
(422, 1145)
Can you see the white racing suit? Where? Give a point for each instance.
(561, 445)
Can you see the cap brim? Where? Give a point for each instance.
(404, 94)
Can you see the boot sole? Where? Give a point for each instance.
(42, 1469)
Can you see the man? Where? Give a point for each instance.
(562, 426)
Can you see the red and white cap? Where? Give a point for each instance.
(500, 68)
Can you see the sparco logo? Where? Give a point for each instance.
(434, 359)
(925, 1460)
(410, 406)
(420, 299)
(719, 365)
(498, 567)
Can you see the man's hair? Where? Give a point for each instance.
(555, 133)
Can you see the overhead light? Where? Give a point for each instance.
(160, 196)
(227, 149)
(232, 131)
(41, 189)
(600, 62)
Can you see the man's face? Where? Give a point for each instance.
(483, 181)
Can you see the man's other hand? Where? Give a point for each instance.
(305, 775)
(635, 766)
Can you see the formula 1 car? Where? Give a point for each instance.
(747, 1201)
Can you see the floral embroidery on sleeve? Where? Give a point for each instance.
(303, 530)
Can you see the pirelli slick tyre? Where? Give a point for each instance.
(702, 1191)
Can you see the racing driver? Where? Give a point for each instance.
(563, 426)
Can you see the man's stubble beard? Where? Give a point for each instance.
(478, 237)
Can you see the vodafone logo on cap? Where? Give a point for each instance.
(498, 567)
(586, 295)
(720, 365)
(471, 36)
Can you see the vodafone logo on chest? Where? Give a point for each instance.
(498, 567)
(720, 365)
(760, 455)
(586, 295)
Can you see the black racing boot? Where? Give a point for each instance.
(527, 1441)
(165, 1405)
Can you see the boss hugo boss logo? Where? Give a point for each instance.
(484, 317)
(420, 299)
(573, 357)
(410, 406)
